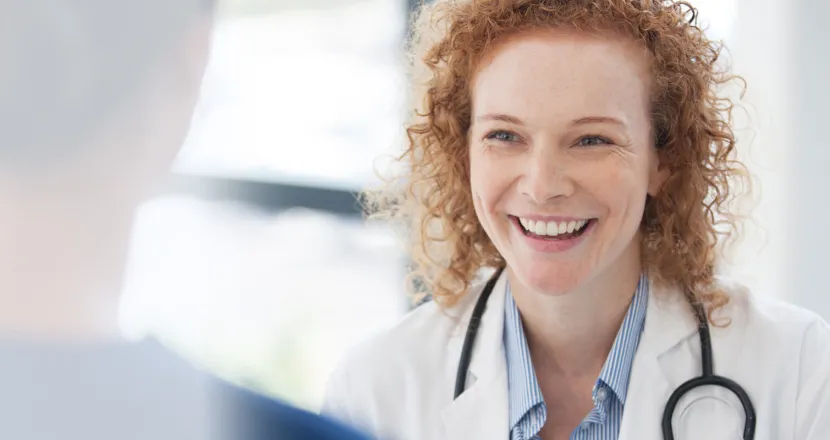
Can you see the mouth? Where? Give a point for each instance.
(552, 230)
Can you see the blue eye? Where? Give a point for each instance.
(592, 141)
(502, 136)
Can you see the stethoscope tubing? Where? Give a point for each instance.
(707, 377)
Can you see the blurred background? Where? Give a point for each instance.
(255, 261)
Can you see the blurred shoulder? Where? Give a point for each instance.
(257, 417)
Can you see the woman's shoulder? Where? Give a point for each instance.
(396, 362)
(785, 347)
(763, 316)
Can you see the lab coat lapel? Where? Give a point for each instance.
(481, 412)
(661, 364)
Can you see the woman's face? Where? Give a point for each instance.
(561, 156)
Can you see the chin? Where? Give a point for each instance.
(549, 278)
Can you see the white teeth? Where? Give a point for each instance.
(551, 229)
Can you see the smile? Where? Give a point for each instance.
(553, 236)
(561, 230)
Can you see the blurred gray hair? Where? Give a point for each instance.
(68, 64)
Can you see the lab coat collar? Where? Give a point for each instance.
(481, 412)
(661, 363)
(669, 320)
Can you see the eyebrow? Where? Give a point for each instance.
(500, 117)
(599, 120)
(580, 121)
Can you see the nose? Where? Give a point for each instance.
(547, 176)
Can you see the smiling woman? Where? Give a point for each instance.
(648, 98)
(581, 149)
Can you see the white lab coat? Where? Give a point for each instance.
(399, 385)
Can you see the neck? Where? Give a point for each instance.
(572, 334)
(61, 266)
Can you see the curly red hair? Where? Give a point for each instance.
(691, 123)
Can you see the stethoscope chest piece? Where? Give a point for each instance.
(721, 410)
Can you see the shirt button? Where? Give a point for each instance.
(584, 426)
(602, 394)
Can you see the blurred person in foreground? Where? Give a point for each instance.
(96, 99)
(581, 152)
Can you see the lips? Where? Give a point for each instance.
(554, 243)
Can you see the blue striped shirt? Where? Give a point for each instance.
(527, 406)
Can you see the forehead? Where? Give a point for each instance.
(555, 71)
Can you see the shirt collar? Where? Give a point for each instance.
(523, 388)
(617, 369)
(525, 395)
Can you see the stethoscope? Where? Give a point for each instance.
(707, 378)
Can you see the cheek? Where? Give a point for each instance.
(482, 183)
(620, 188)
(478, 186)
(489, 187)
